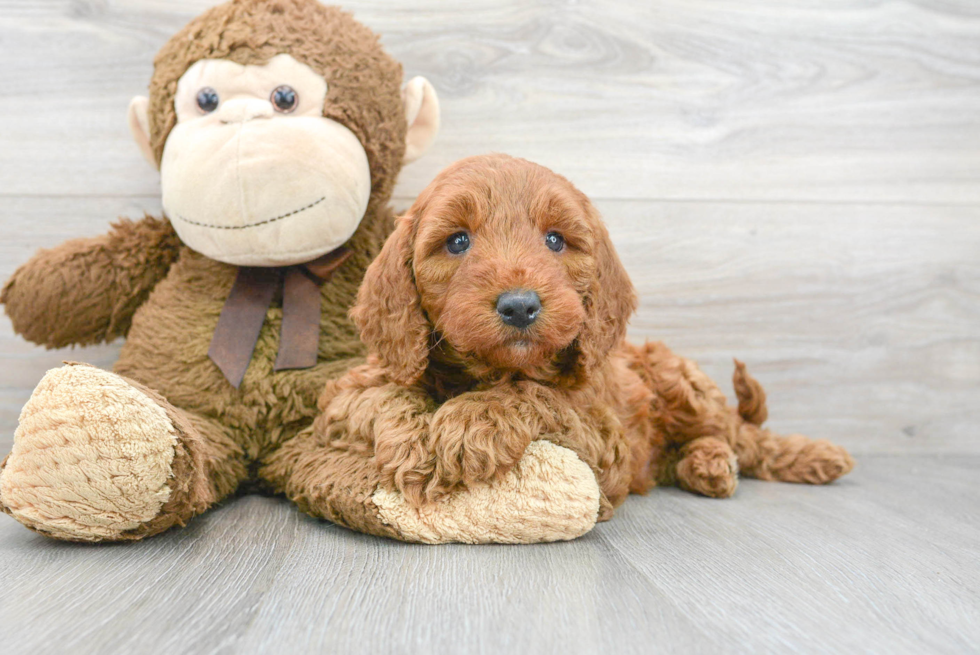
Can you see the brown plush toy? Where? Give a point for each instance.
(279, 127)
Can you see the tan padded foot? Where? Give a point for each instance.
(91, 457)
(551, 495)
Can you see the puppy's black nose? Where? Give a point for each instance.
(518, 308)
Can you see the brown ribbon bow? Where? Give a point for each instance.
(244, 313)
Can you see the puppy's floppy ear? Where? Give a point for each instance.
(389, 313)
(609, 303)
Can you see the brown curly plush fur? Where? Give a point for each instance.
(141, 282)
(452, 396)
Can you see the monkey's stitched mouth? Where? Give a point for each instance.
(242, 227)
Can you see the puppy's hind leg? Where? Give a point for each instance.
(708, 466)
(689, 410)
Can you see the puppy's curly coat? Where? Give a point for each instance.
(455, 391)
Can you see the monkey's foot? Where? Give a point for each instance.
(709, 467)
(91, 459)
(551, 495)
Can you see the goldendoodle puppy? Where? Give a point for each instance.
(496, 315)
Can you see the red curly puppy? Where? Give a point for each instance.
(496, 315)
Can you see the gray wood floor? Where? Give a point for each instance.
(884, 562)
(796, 184)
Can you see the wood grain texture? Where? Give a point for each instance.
(759, 99)
(861, 320)
(790, 183)
(878, 563)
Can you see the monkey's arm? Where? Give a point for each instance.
(85, 291)
(370, 442)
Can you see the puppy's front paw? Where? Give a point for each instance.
(473, 440)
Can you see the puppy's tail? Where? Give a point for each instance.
(751, 396)
(768, 456)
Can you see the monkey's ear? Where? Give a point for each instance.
(139, 125)
(422, 113)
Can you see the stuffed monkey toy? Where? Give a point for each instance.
(279, 128)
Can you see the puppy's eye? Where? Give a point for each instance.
(207, 100)
(284, 98)
(458, 243)
(554, 241)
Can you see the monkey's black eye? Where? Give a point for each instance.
(207, 99)
(554, 241)
(458, 243)
(284, 99)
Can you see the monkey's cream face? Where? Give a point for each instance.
(253, 174)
